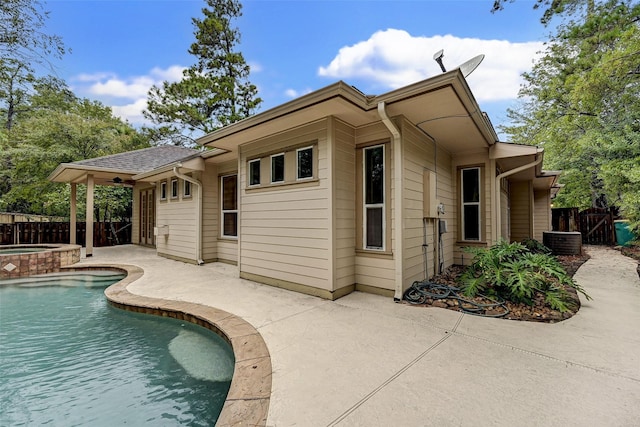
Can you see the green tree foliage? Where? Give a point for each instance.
(44, 124)
(22, 35)
(57, 127)
(23, 44)
(215, 91)
(581, 102)
(550, 8)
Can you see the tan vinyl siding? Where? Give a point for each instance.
(135, 214)
(375, 271)
(180, 216)
(210, 213)
(446, 194)
(344, 195)
(521, 210)
(541, 213)
(420, 155)
(505, 214)
(285, 228)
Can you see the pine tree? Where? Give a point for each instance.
(215, 91)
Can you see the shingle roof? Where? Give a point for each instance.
(142, 160)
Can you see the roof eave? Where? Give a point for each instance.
(337, 89)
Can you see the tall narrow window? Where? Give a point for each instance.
(304, 163)
(163, 190)
(374, 234)
(186, 190)
(254, 172)
(470, 183)
(230, 206)
(174, 188)
(277, 168)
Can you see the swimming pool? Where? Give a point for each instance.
(69, 358)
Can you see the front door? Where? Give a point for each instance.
(147, 216)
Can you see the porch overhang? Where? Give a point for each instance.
(77, 174)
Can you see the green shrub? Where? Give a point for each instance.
(517, 273)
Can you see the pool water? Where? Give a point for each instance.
(69, 358)
(25, 250)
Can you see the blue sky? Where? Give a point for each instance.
(121, 47)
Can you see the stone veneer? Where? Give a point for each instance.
(50, 260)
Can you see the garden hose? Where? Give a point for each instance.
(420, 291)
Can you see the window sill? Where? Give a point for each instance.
(374, 254)
(471, 243)
(229, 238)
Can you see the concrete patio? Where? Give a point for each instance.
(364, 360)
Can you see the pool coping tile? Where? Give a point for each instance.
(248, 400)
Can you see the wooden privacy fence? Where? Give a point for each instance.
(104, 233)
(595, 224)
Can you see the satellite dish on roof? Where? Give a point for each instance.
(466, 68)
(470, 65)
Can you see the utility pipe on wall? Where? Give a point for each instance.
(200, 261)
(398, 199)
(498, 207)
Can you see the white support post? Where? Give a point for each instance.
(73, 214)
(89, 217)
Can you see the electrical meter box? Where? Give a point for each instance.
(430, 203)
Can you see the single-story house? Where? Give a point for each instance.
(338, 191)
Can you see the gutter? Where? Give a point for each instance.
(497, 206)
(397, 202)
(200, 261)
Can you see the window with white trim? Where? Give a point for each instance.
(471, 197)
(229, 204)
(163, 190)
(304, 163)
(254, 172)
(277, 168)
(374, 200)
(186, 189)
(174, 188)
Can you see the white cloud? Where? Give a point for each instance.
(292, 93)
(127, 96)
(131, 112)
(394, 58)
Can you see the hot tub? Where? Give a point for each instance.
(28, 260)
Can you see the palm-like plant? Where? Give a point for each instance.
(516, 272)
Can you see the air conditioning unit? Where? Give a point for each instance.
(563, 242)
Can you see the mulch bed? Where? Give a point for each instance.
(538, 312)
(632, 251)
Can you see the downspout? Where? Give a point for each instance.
(200, 261)
(397, 202)
(497, 189)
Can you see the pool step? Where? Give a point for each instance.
(93, 278)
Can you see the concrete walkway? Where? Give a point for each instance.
(364, 360)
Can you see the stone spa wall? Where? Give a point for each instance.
(49, 260)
